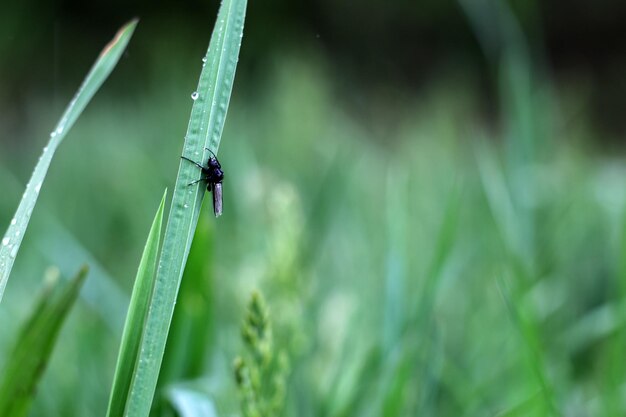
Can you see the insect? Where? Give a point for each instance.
(213, 175)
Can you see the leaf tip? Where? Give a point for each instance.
(127, 28)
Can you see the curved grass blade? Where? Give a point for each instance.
(105, 63)
(137, 309)
(30, 355)
(61, 248)
(205, 129)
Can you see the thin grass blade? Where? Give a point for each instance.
(32, 351)
(105, 63)
(61, 248)
(131, 337)
(204, 131)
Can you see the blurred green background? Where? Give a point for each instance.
(430, 196)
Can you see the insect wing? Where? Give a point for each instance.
(217, 199)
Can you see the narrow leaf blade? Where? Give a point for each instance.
(103, 66)
(137, 309)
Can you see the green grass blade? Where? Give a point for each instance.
(30, 355)
(140, 299)
(205, 128)
(107, 60)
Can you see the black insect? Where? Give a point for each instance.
(213, 175)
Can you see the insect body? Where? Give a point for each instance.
(213, 175)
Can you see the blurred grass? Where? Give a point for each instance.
(37, 337)
(342, 228)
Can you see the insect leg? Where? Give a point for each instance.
(196, 181)
(193, 162)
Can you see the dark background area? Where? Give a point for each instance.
(378, 48)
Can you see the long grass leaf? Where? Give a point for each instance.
(205, 129)
(105, 63)
(131, 337)
(30, 355)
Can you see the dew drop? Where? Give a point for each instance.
(13, 253)
(5, 241)
(186, 205)
(204, 59)
(17, 233)
(194, 95)
(37, 188)
(53, 134)
(13, 221)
